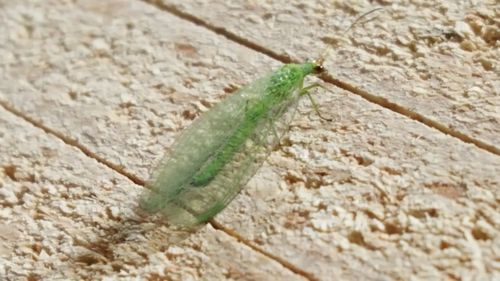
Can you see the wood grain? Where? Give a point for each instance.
(95, 92)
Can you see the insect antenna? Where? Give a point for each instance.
(326, 52)
(319, 62)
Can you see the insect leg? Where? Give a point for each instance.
(274, 116)
(305, 91)
(273, 129)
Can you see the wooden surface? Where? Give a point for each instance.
(404, 182)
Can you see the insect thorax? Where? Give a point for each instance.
(288, 78)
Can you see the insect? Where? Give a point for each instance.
(213, 159)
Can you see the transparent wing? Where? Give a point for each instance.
(195, 205)
(196, 144)
(170, 192)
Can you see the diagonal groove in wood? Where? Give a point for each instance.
(119, 169)
(381, 101)
(72, 142)
(276, 258)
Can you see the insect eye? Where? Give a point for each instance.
(318, 69)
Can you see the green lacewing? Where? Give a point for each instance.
(219, 152)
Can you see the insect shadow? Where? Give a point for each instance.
(129, 241)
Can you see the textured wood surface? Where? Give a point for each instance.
(447, 49)
(404, 182)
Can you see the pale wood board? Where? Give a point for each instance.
(438, 59)
(370, 195)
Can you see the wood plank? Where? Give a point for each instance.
(370, 184)
(435, 61)
(120, 77)
(64, 216)
(372, 196)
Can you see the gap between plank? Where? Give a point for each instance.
(381, 101)
(249, 244)
(73, 143)
(119, 169)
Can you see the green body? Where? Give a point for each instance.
(283, 82)
(222, 150)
